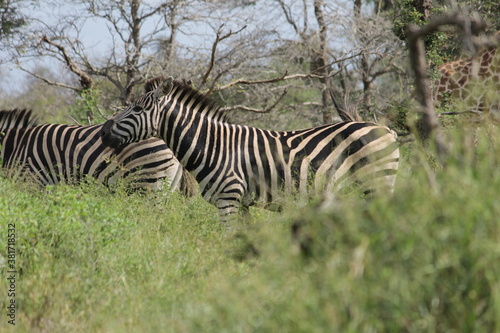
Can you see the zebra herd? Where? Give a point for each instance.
(173, 133)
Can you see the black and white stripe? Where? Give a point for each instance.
(241, 165)
(53, 153)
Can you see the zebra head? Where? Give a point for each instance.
(140, 120)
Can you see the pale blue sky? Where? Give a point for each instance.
(97, 39)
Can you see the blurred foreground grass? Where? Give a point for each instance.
(427, 259)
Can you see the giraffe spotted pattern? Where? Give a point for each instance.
(471, 84)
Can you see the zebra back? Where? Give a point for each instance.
(15, 119)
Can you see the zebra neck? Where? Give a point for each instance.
(193, 139)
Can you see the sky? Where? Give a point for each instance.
(96, 38)
(94, 35)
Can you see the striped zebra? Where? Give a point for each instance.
(52, 153)
(238, 166)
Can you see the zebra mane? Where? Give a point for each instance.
(155, 82)
(346, 110)
(207, 104)
(16, 119)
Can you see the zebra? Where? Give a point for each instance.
(237, 166)
(54, 153)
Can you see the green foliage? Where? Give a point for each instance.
(437, 45)
(10, 19)
(86, 106)
(405, 13)
(488, 9)
(401, 115)
(425, 260)
(441, 47)
(426, 263)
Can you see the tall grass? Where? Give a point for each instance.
(427, 259)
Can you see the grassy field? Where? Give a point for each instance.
(426, 260)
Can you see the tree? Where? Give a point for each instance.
(124, 66)
(380, 55)
(346, 51)
(134, 54)
(249, 55)
(10, 18)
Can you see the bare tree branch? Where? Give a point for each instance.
(243, 81)
(76, 121)
(289, 19)
(218, 39)
(428, 124)
(101, 114)
(265, 110)
(52, 83)
(284, 77)
(156, 10)
(85, 80)
(319, 61)
(283, 44)
(455, 113)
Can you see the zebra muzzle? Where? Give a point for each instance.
(108, 139)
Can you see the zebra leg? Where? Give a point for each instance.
(228, 209)
(229, 198)
(245, 210)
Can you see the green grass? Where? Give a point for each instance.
(426, 260)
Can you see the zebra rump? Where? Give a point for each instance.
(53, 153)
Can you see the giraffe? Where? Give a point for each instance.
(471, 84)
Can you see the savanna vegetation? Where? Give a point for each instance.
(91, 259)
(423, 260)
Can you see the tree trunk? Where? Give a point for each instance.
(428, 125)
(319, 62)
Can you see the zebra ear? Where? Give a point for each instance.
(165, 87)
